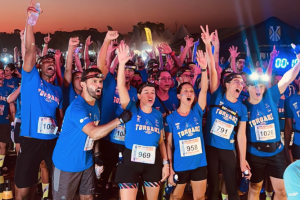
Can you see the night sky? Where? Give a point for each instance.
(68, 15)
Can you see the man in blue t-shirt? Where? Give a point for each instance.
(264, 149)
(73, 156)
(71, 81)
(4, 117)
(141, 68)
(41, 114)
(110, 108)
(165, 102)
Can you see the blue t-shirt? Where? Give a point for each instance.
(106, 101)
(292, 110)
(291, 179)
(220, 124)
(143, 74)
(280, 108)
(118, 134)
(13, 82)
(187, 130)
(39, 99)
(69, 153)
(18, 107)
(244, 96)
(263, 125)
(69, 95)
(143, 128)
(247, 70)
(171, 104)
(5, 91)
(225, 65)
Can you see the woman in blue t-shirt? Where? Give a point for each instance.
(265, 150)
(144, 145)
(225, 112)
(184, 138)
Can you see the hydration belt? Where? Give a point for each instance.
(297, 131)
(228, 110)
(266, 147)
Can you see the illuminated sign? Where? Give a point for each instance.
(284, 62)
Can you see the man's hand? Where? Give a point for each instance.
(112, 46)
(111, 35)
(233, 52)
(166, 49)
(88, 41)
(74, 41)
(31, 8)
(202, 59)
(170, 61)
(189, 42)
(215, 39)
(205, 36)
(47, 39)
(125, 116)
(246, 42)
(274, 53)
(22, 35)
(57, 55)
(245, 166)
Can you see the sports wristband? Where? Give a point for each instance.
(166, 162)
(172, 53)
(203, 70)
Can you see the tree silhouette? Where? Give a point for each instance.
(158, 27)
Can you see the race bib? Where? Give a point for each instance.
(46, 125)
(143, 154)
(265, 132)
(190, 147)
(222, 129)
(2, 109)
(119, 133)
(89, 144)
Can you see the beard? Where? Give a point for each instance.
(93, 94)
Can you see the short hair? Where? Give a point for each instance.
(159, 72)
(90, 70)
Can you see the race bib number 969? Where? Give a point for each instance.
(143, 154)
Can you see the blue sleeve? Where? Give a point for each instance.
(27, 76)
(168, 126)
(244, 115)
(273, 93)
(199, 109)
(215, 95)
(79, 115)
(288, 113)
(132, 107)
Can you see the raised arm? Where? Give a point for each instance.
(206, 38)
(216, 44)
(45, 46)
(22, 44)
(30, 49)
(14, 95)
(16, 59)
(201, 59)
(273, 55)
(233, 54)
(196, 44)
(161, 62)
(78, 62)
(289, 76)
(123, 58)
(73, 42)
(189, 42)
(87, 62)
(58, 70)
(101, 62)
(166, 49)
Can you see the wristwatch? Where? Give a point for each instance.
(166, 162)
(203, 70)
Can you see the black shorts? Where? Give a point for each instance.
(32, 152)
(295, 151)
(197, 174)
(17, 132)
(129, 172)
(273, 165)
(5, 133)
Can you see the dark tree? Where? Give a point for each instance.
(158, 27)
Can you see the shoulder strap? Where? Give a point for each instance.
(162, 103)
(228, 110)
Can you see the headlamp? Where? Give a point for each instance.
(92, 76)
